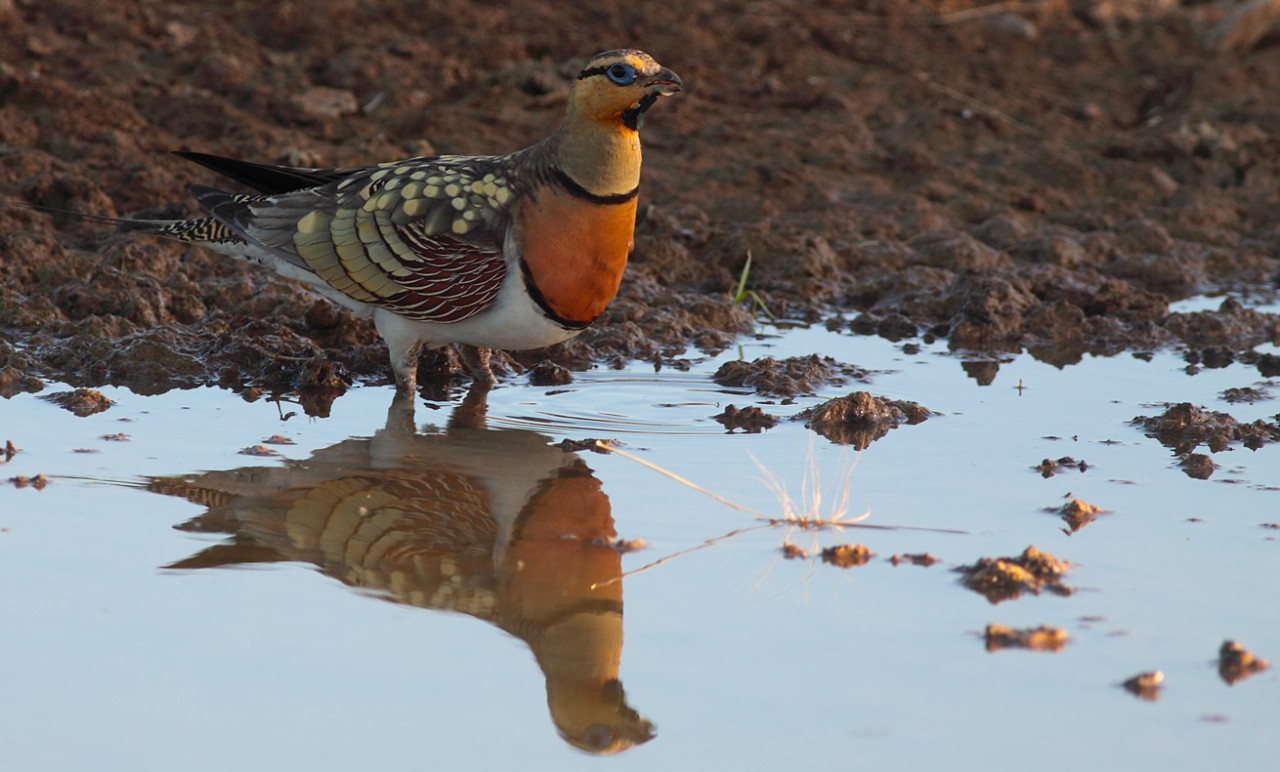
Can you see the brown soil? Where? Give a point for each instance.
(81, 402)
(1042, 638)
(1001, 579)
(1145, 685)
(860, 419)
(847, 555)
(1077, 514)
(1236, 663)
(751, 420)
(1049, 467)
(1045, 181)
(787, 378)
(1184, 427)
(915, 559)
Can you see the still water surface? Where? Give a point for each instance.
(392, 593)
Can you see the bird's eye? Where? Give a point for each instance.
(622, 74)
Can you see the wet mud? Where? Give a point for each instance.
(787, 378)
(1001, 579)
(847, 555)
(1146, 685)
(1050, 467)
(1236, 663)
(750, 419)
(860, 419)
(1048, 181)
(1042, 638)
(81, 402)
(1185, 427)
(1077, 513)
(916, 559)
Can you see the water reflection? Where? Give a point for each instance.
(496, 524)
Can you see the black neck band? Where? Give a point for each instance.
(577, 191)
(541, 301)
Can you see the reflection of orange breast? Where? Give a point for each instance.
(576, 251)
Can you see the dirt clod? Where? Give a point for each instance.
(1042, 638)
(860, 419)
(625, 546)
(590, 443)
(1145, 685)
(548, 373)
(1247, 394)
(1198, 466)
(793, 552)
(81, 402)
(1236, 663)
(258, 450)
(39, 482)
(915, 559)
(1001, 579)
(847, 555)
(1077, 514)
(789, 377)
(751, 419)
(1049, 467)
(1184, 427)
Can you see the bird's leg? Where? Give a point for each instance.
(403, 346)
(476, 360)
(404, 365)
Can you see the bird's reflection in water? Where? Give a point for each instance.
(496, 524)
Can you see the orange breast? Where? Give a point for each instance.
(576, 251)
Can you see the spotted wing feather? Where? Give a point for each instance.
(422, 237)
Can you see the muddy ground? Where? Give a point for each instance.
(1045, 179)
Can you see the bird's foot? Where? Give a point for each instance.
(477, 361)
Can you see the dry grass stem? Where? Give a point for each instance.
(975, 104)
(680, 554)
(943, 19)
(792, 514)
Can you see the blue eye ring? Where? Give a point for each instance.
(621, 73)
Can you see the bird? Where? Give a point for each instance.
(512, 252)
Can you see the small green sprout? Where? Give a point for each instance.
(742, 294)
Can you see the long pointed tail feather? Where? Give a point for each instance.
(265, 178)
(199, 230)
(123, 223)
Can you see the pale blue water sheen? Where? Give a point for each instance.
(740, 659)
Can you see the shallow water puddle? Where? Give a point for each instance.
(129, 640)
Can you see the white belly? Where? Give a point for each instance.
(513, 321)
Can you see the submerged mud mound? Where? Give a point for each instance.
(1001, 579)
(1046, 179)
(788, 377)
(860, 419)
(1184, 427)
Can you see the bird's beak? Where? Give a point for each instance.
(665, 82)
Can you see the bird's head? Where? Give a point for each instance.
(618, 87)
